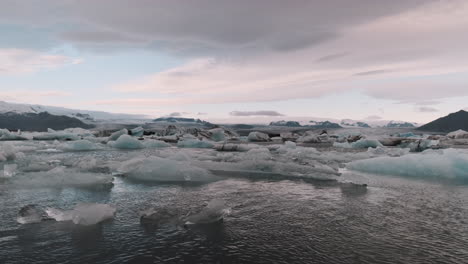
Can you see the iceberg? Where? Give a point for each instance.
(161, 169)
(56, 135)
(81, 145)
(83, 214)
(126, 142)
(114, 136)
(61, 177)
(360, 144)
(5, 134)
(448, 164)
(459, 134)
(258, 137)
(152, 143)
(194, 143)
(137, 131)
(217, 134)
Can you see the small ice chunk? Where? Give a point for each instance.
(126, 142)
(84, 213)
(214, 211)
(30, 213)
(9, 170)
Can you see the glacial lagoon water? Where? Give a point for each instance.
(271, 220)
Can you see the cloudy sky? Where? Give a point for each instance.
(232, 60)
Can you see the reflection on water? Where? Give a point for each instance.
(275, 221)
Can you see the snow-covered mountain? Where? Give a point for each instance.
(85, 115)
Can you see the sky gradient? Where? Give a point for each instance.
(239, 60)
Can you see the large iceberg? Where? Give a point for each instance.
(448, 164)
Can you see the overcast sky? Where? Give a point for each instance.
(215, 59)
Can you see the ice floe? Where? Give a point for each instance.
(449, 164)
(83, 214)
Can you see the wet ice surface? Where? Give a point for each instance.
(267, 216)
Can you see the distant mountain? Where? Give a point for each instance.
(39, 121)
(395, 124)
(285, 123)
(183, 120)
(84, 115)
(351, 123)
(452, 122)
(323, 124)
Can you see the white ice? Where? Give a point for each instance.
(430, 164)
(84, 213)
(81, 145)
(126, 142)
(162, 169)
(214, 211)
(194, 143)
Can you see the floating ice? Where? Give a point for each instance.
(360, 144)
(194, 143)
(9, 152)
(126, 142)
(61, 177)
(152, 143)
(217, 134)
(56, 135)
(81, 145)
(214, 211)
(258, 137)
(30, 214)
(161, 169)
(9, 170)
(459, 134)
(431, 164)
(137, 131)
(5, 134)
(84, 214)
(117, 134)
